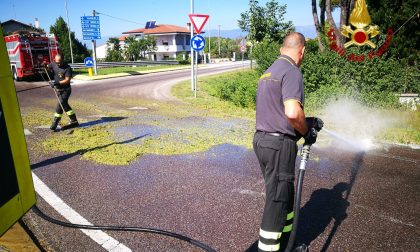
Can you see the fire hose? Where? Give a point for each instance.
(118, 228)
(306, 150)
(123, 228)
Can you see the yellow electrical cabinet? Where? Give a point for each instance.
(17, 193)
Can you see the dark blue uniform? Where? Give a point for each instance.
(61, 72)
(275, 146)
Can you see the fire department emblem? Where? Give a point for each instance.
(360, 19)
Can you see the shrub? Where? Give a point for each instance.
(327, 76)
(238, 88)
(181, 61)
(265, 53)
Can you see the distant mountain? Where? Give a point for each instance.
(233, 34)
(307, 30)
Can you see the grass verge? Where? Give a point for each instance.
(406, 131)
(129, 70)
(212, 106)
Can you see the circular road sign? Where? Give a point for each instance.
(88, 62)
(198, 43)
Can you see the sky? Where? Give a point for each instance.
(222, 12)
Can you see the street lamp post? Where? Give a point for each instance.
(219, 41)
(68, 27)
(191, 48)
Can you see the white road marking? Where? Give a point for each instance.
(375, 213)
(249, 192)
(137, 108)
(42, 127)
(100, 237)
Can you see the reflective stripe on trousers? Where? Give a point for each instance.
(270, 241)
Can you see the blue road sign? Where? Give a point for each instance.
(91, 27)
(94, 30)
(91, 37)
(88, 62)
(198, 43)
(89, 17)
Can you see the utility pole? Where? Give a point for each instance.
(68, 27)
(209, 43)
(191, 48)
(219, 41)
(94, 50)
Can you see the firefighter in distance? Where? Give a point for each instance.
(61, 84)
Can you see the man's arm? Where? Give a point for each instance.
(65, 81)
(296, 116)
(67, 75)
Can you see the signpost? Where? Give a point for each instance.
(91, 30)
(91, 27)
(197, 44)
(198, 21)
(89, 63)
(243, 50)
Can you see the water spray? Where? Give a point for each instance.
(362, 144)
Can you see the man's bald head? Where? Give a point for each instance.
(294, 40)
(57, 58)
(294, 47)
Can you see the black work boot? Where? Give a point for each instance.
(72, 124)
(55, 123)
(301, 248)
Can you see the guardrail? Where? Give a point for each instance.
(127, 63)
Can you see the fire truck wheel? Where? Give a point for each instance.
(15, 75)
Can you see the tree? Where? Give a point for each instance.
(147, 45)
(80, 51)
(138, 48)
(114, 43)
(318, 27)
(227, 47)
(132, 51)
(265, 22)
(393, 14)
(326, 8)
(113, 53)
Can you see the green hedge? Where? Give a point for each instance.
(326, 76)
(238, 88)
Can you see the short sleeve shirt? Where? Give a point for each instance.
(281, 82)
(60, 71)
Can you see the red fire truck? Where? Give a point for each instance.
(28, 50)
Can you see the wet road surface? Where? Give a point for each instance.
(352, 201)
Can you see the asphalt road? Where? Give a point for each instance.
(352, 201)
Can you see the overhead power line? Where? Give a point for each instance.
(122, 19)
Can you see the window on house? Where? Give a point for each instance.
(188, 39)
(165, 43)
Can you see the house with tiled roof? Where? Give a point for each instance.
(171, 40)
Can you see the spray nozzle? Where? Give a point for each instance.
(314, 122)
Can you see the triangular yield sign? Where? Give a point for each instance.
(198, 20)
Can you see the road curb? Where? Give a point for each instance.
(117, 75)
